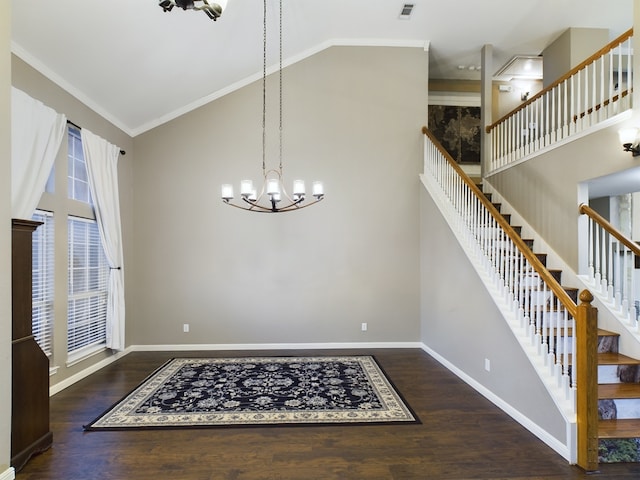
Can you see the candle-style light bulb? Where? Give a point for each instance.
(298, 187)
(273, 187)
(227, 191)
(318, 189)
(246, 187)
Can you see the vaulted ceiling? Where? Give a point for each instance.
(139, 66)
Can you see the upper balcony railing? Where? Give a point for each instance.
(597, 89)
(614, 263)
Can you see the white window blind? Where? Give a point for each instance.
(42, 281)
(88, 285)
(77, 181)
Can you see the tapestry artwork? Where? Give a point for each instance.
(207, 392)
(458, 130)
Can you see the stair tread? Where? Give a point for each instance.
(610, 358)
(627, 428)
(607, 333)
(619, 390)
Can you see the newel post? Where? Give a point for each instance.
(586, 370)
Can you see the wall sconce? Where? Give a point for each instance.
(628, 137)
(524, 96)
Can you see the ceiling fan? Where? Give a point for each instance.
(213, 10)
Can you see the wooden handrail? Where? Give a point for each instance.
(535, 262)
(610, 46)
(600, 220)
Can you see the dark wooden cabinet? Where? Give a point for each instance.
(30, 433)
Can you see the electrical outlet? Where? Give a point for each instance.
(487, 364)
(364, 327)
(185, 328)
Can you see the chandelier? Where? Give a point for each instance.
(272, 196)
(213, 10)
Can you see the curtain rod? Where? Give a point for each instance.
(69, 122)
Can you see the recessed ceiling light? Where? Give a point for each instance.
(521, 67)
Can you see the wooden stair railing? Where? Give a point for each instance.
(594, 91)
(607, 48)
(586, 330)
(610, 252)
(586, 361)
(560, 293)
(600, 220)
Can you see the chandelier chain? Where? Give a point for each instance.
(280, 81)
(273, 196)
(264, 89)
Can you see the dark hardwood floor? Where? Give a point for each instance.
(462, 436)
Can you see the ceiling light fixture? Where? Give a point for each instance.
(272, 197)
(213, 9)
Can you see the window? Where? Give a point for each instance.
(67, 213)
(88, 287)
(42, 286)
(88, 272)
(77, 181)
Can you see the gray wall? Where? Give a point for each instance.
(544, 189)
(461, 323)
(5, 235)
(352, 119)
(570, 49)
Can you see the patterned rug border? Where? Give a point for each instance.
(91, 426)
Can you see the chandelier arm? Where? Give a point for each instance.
(262, 209)
(293, 208)
(250, 207)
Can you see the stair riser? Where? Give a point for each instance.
(608, 374)
(619, 450)
(620, 409)
(612, 373)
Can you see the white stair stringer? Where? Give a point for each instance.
(562, 394)
(630, 329)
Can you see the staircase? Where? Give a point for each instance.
(618, 384)
(618, 402)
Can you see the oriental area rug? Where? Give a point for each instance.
(254, 391)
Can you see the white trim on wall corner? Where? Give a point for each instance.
(457, 99)
(9, 474)
(526, 422)
(270, 346)
(335, 42)
(134, 131)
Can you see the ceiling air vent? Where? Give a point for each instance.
(405, 13)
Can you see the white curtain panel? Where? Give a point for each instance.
(36, 134)
(102, 166)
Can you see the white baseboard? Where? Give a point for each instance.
(270, 346)
(67, 382)
(526, 422)
(9, 474)
(58, 387)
